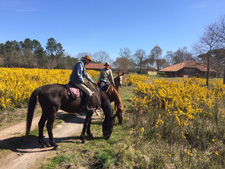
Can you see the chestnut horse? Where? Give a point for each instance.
(114, 96)
(53, 97)
(119, 81)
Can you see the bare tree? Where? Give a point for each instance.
(162, 63)
(125, 53)
(217, 62)
(140, 56)
(179, 56)
(126, 57)
(220, 33)
(154, 56)
(206, 43)
(101, 56)
(219, 29)
(123, 64)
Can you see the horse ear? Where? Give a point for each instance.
(122, 74)
(124, 106)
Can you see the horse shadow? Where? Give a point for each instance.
(69, 117)
(29, 144)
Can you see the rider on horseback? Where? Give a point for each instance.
(77, 78)
(106, 77)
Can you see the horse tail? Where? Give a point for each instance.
(31, 107)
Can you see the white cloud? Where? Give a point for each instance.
(197, 5)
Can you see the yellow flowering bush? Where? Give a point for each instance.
(134, 79)
(181, 113)
(185, 99)
(17, 84)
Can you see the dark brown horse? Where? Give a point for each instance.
(54, 97)
(114, 96)
(118, 81)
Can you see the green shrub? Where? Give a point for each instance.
(162, 74)
(197, 75)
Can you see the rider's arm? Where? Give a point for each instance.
(89, 78)
(111, 77)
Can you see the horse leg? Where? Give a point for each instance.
(86, 123)
(49, 126)
(89, 130)
(41, 125)
(118, 90)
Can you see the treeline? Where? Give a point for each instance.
(30, 54)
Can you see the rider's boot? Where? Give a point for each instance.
(87, 102)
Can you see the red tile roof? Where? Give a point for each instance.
(187, 64)
(96, 66)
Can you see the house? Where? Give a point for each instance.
(152, 71)
(149, 71)
(188, 69)
(95, 66)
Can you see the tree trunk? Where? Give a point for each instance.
(224, 76)
(207, 75)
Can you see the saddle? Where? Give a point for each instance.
(73, 91)
(104, 86)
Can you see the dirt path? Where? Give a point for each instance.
(29, 154)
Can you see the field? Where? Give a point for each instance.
(168, 123)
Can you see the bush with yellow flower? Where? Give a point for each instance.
(17, 84)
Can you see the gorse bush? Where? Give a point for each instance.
(17, 84)
(134, 79)
(185, 114)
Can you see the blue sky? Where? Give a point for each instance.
(108, 25)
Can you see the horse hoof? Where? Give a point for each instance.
(107, 137)
(56, 147)
(91, 136)
(43, 145)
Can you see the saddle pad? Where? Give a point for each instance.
(75, 92)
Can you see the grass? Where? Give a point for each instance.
(9, 117)
(97, 153)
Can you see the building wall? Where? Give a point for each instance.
(171, 74)
(152, 72)
(189, 72)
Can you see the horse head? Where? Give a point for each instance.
(108, 123)
(107, 128)
(120, 78)
(119, 81)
